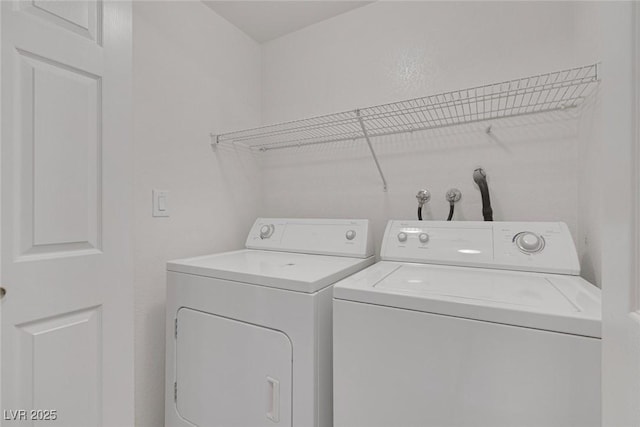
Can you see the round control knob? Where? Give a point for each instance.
(350, 235)
(266, 231)
(529, 242)
(423, 237)
(402, 236)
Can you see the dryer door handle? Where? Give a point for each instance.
(273, 399)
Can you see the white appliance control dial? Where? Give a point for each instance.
(350, 234)
(402, 237)
(423, 237)
(529, 242)
(266, 231)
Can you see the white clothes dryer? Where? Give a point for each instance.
(477, 324)
(248, 340)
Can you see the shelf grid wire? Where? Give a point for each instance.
(536, 94)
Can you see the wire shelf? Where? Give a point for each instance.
(536, 94)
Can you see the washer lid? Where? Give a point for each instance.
(283, 270)
(551, 302)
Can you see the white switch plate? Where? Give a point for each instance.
(160, 203)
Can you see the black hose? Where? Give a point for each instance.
(487, 212)
(423, 197)
(480, 178)
(451, 205)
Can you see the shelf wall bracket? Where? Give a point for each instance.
(214, 141)
(373, 153)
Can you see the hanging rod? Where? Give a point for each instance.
(553, 91)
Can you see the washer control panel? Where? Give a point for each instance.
(338, 237)
(528, 246)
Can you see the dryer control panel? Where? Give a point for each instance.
(528, 246)
(336, 237)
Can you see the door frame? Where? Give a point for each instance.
(620, 212)
(636, 158)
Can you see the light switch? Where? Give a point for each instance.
(160, 203)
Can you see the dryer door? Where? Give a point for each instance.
(230, 373)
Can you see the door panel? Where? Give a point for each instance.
(80, 17)
(65, 204)
(63, 353)
(60, 183)
(231, 373)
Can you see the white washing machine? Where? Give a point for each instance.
(249, 332)
(483, 324)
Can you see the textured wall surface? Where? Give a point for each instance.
(390, 51)
(590, 27)
(193, 71)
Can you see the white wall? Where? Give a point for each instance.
(193, 71)
(589, 32)
(390, 51)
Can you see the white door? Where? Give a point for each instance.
(231, 373)
(67, 316)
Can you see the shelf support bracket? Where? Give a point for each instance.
(373, 153)
(214, 141)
